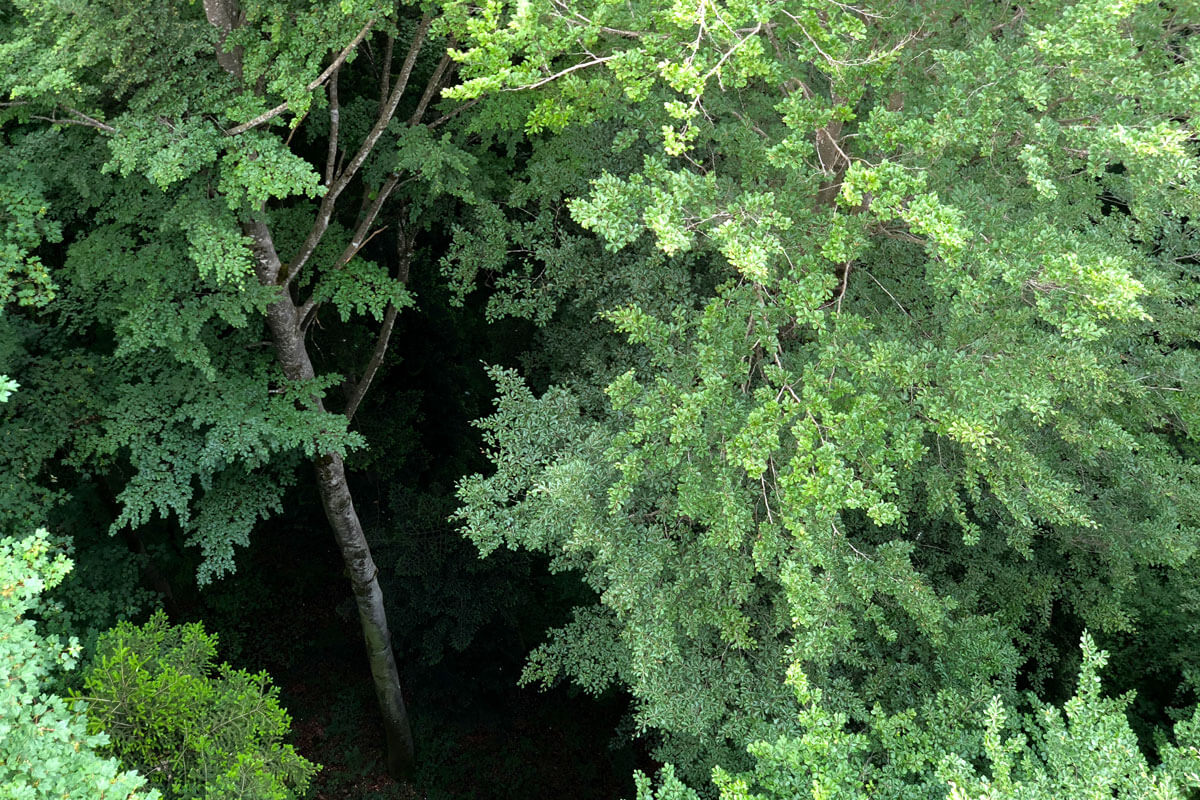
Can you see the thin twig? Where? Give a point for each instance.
(847, 540)
(889, 294)
(580, 18)
(325, 212)
(551, 78)
(360, 237)
(79, 119)
(452, 114)
(320, 79)
(381, 344)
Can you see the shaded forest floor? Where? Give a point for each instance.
(478, 735)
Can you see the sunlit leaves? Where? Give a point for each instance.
(950, 242)
(46, 751)
(196, 727)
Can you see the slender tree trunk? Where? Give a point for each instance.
(364, 577)
(283, 320)
(285, 323)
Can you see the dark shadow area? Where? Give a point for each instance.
(462, 626)
(478, 734)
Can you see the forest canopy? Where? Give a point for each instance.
(831, 374)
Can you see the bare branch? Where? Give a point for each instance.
(385, 76)
(431, 88)
(79, 119)
(579, 19)
(889, 294)
(325, 212)
(728, 54)
(385, 333)
(750, 124)
(320, 79)
(360, 237)
(381, 344)
(551, 78)
(334, 127)
(452, 114)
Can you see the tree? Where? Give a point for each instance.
(46, 750)
(901, 391)
(196, 730)
(1083, 749)
(910, 393)
(156, 134)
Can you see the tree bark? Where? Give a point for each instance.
(283, 321)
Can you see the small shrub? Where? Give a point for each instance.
(192, 728)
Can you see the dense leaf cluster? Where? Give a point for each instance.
(193, 728)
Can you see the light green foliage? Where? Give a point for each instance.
(193, 728)
(46, 751)
(670, 787)
(942, 388)
(1085, 749)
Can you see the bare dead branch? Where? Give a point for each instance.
(93, 122)
(551, 78)
(899, 305)
(78, 119)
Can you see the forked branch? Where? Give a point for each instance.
(318, 81)
(385, 333)
(386, 112)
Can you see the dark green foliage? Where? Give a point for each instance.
(193, 728)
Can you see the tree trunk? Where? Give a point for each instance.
(283, 320)
(364, 577)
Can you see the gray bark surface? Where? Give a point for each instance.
(283, 321)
